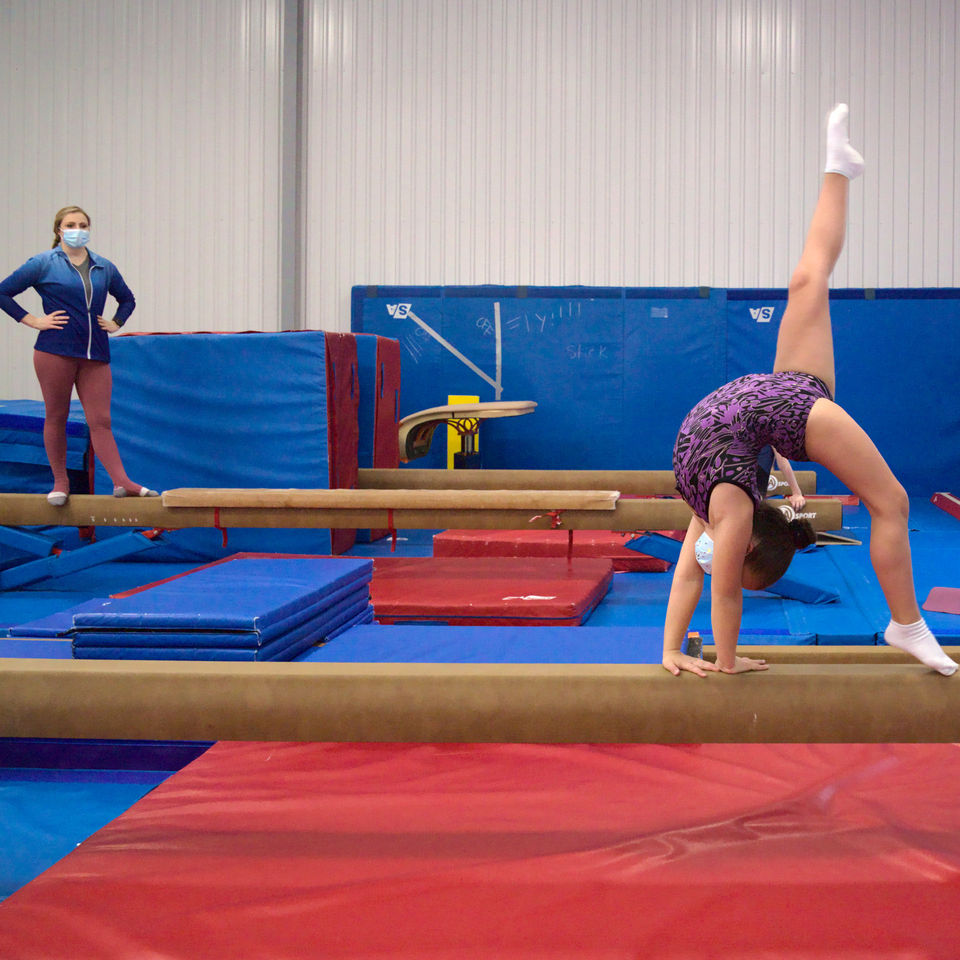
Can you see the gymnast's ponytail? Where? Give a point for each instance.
(775, 540)
(803, 533)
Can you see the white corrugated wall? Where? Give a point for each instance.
(640, 142)
(636, 142)
(161, 119)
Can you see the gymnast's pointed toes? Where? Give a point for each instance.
(138, 492)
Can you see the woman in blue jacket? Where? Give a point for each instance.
(73, 346)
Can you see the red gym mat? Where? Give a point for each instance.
(506, 851)
(947, 502)
(508, 591)
(943, 600)
(546, 543)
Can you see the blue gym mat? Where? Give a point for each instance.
(249, 593)
(56, 793)
(443, 644)
(634, 601)
(246, 608)
(41, 649)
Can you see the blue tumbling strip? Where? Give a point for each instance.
(16, 647)
(245, 593)
(55, 624)
(422, 644)
(364, 617)
(666, 548)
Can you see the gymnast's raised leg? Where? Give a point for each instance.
(833, 437)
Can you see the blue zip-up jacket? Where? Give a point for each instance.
(60, 286)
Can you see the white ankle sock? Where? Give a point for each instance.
(917, 640)
(841, 157)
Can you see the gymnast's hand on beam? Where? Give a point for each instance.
(744, 665)
(675, 662)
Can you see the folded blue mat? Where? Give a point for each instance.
(179, 647)
(246, 593)
(164, 653)
(666, 548)
(321, 613)
(220, 645)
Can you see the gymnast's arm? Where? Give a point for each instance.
(685, 592)
(731, 517)
(797, 499)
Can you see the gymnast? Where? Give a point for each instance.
(71, 349)
(744, 542)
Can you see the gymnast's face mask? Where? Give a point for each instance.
(76, 238)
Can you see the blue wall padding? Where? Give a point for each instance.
(417, 644)
(673, 351)
(224, 410)
(895, 376)
(246, 608)
(614, 370)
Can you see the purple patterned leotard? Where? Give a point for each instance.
(722, 436)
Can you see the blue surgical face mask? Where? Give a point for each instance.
(76, 238)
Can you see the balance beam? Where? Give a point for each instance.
(409, 499)
(627, 515)
(630, 483)
(464, 703)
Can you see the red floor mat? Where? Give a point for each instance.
(491, 591)
(546, 543)
(516, 851)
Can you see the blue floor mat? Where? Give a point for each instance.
(41, 649)
(54, 794)
(442, 644)
(639, 600)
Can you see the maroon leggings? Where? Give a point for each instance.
(58, 376)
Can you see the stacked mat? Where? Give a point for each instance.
(489, 591)
(546, 543)
(241, 608)
(23, 460)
